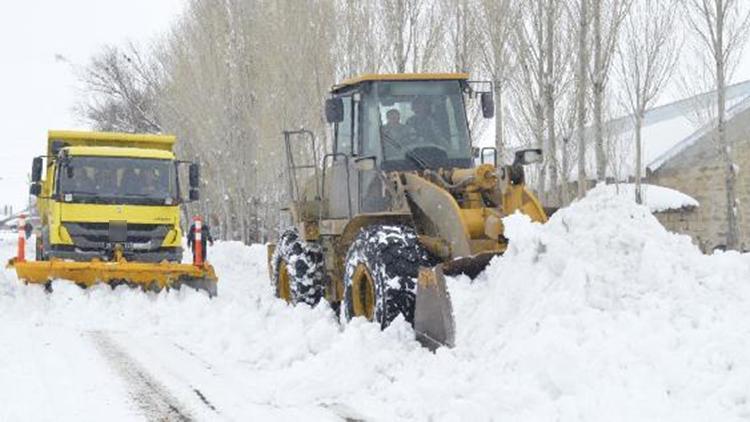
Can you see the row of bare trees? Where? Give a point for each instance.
(232, 74)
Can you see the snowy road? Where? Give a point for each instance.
(121, 355)
(599, 315)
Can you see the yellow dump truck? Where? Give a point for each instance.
(109, 206)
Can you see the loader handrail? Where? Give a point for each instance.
(292, 168)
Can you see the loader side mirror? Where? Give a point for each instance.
(35, 189)
(488, 105)
(36, 169)
(528, 156)
(194, 176)
(194, 194)
(334, 110)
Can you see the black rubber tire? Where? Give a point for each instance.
(392, 256)
(305, 266)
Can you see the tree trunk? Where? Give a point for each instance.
(550, 101)
(581, 100)
(564, 193)
(598, 91)
(638, 159)
(539, 106)
(499, 119)
(733, 235)
(400, 57)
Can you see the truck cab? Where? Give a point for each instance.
(107, 191)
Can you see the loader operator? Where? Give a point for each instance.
(205, 238)
(423, 122)
(394, 130)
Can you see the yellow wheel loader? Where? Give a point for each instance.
(109, 206)
(402, 200)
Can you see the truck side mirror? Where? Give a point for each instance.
(194, 173)
(488, 105)
(36, 169)
(528, 156)
(57, 146)
(194, 194)
(35, 189)
(334, 110)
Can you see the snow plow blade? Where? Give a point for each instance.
(149, 276)
(433, 313)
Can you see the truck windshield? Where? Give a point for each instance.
(118, 180)
(412, 124)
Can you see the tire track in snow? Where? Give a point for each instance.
(151, 396)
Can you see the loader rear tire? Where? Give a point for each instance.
(298, 270)
(380, 278)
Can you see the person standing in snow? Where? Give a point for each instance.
(28, 229)
(205, 238)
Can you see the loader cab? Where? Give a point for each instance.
(386, 123)
(403, 122)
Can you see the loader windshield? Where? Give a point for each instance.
(413, 124)
(117, 180)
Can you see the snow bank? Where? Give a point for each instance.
(657, 198)
(601, 314)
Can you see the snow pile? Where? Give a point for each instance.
(601, 314)
(657, 198)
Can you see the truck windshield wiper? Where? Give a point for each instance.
(83, 193)
(143, 195)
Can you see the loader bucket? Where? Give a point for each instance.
(470, 266)
(149, 276)
(433, 313)
(434, 325)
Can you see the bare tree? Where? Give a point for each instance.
(721, 28)
(555, 65)
(497, 20)
(581, 92)
(529, 51)
(604, 35)
(400, 19)
(648, 54)
(123, 90)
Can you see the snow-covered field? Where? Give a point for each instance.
(598, 315)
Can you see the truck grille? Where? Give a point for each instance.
(98, 235)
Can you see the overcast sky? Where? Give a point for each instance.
(38, 87)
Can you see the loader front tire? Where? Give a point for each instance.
(298, 270)
(380, 278)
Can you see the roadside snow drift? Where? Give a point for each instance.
(656, 198)
(601, 314)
